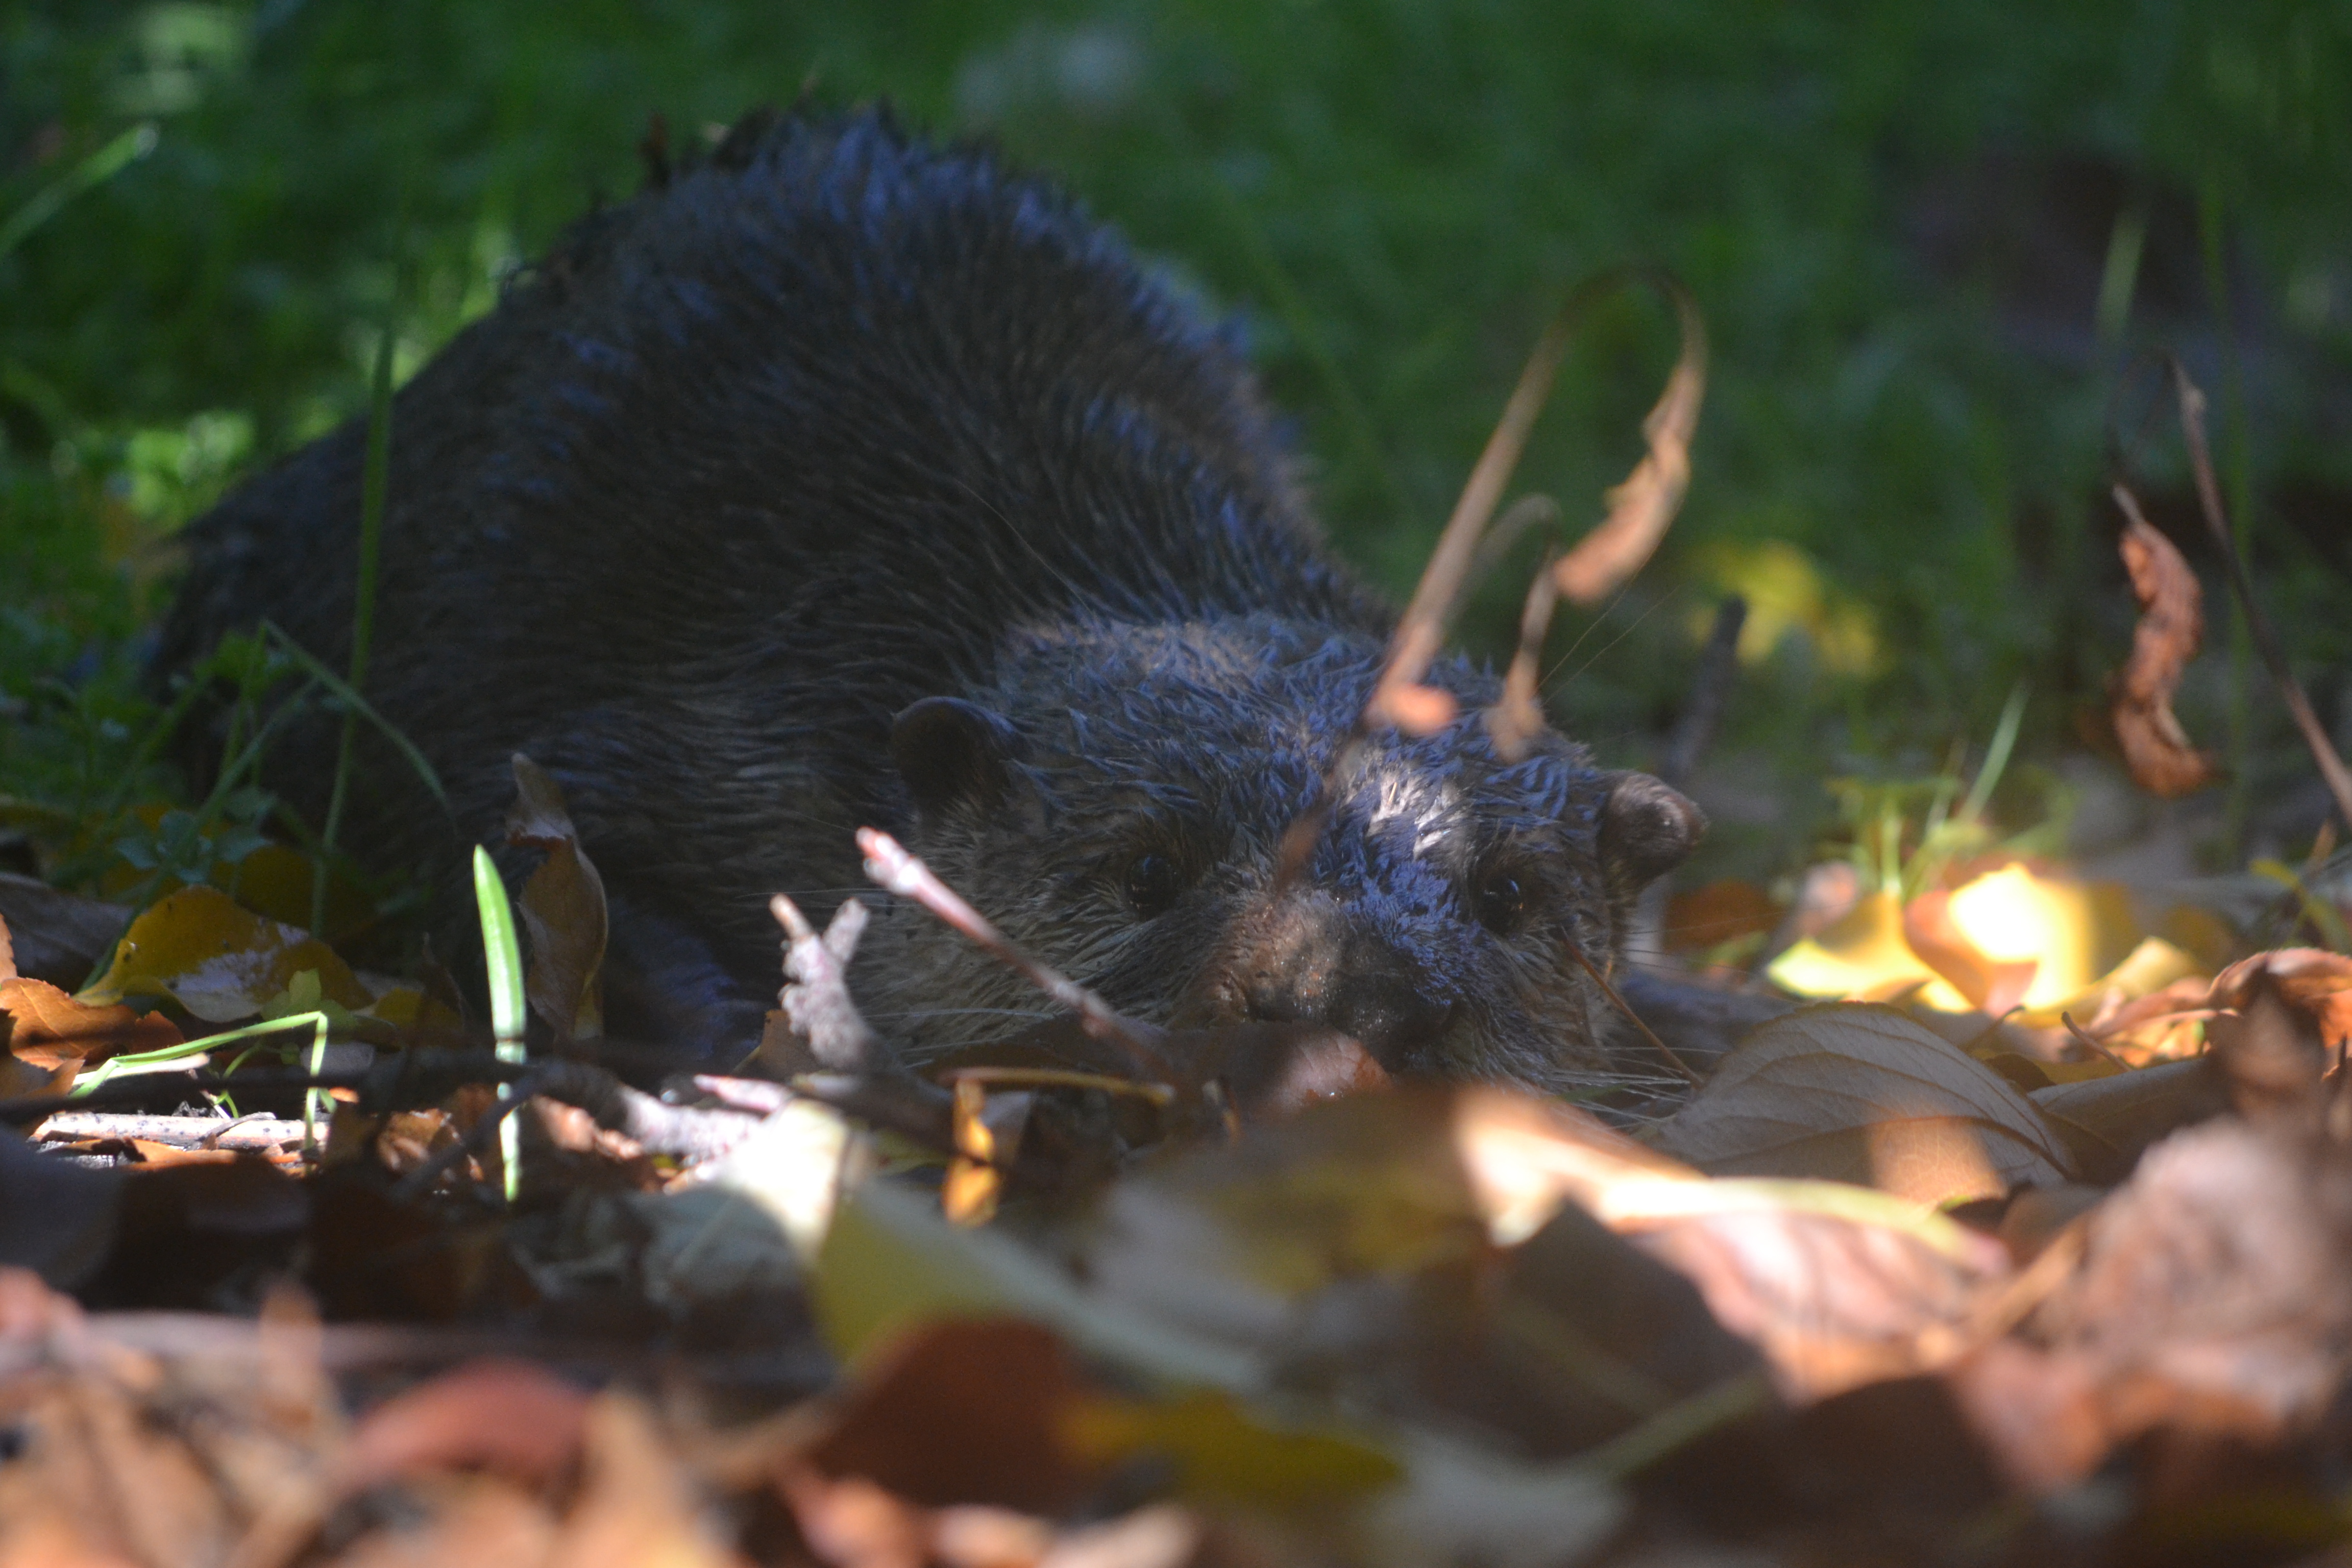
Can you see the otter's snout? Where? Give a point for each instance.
(1307, 959)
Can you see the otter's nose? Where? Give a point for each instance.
(1313, 965)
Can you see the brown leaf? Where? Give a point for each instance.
(2214, 1295)
(484, 1522)
(2127, 1112)
(51, 1030)
(1834, 1299)
(160, 1155)
(562, 905)
(1640, 507)
(56, 936)
(1858, 1092)
(92, 1478)
(506, 1416)
(218, 960)
(635, 1505)
(2171, 626)
(2315, 983)
(1991, 985)
(963, 1412)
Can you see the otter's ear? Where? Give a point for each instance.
(1646, 828)
(952, 752)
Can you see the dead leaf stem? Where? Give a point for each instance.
(2191, 399)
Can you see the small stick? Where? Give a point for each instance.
(1517, 718)
(1710, 690)
(816, 998)
(1647, 1033)
(897, 870)
(1158, 1094)
(2209, 497)
(2083, 1039)
(1641, 506)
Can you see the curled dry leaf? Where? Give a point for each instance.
(563, 907)
(2271, 1054)
(50, 1030)
(1640, 507)
(1991, 986)
(2171, 626)
(2214, 1295)
(510, 1416)
(1858, 1092)
(2315, 983)
(218, 960)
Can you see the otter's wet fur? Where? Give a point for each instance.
(841, 479)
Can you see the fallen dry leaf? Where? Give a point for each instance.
(218, 960)
(1834, 1299)
(563, 907)
(55, 935)
(481, 1521)
(2159, 753)
(636, 1506)
(51, 1030)
(2313, 982)
(508, 1416)
(1858, 1092)
(1992, 987)
(2214, 1295)
(1640, 507)
(962, 1412)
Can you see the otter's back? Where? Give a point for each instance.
(747, 463)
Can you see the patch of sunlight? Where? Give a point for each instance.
(1786, 593)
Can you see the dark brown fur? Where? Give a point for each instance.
(844, 479)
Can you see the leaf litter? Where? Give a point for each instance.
(1891, 1276)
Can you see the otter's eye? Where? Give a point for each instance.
(1152, 884)
(1503, 898)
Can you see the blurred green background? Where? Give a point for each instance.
(1927, 239)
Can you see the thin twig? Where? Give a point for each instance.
(2217, 522)
(1516, 717)
(893, 868)
(1710, 690)
(2083, 1039)
(1641, 505)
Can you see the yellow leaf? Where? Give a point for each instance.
(1863, 952)
(218, 960)
(1223, 1453)
(2149, 968)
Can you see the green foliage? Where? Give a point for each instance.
(1391, 194)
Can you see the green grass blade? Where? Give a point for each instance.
(375, 476)
(503, 953)
(342, 689)
(2004, 738)
(95, 170)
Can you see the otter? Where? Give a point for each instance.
(841, 478)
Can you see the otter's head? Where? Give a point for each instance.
(1115, 797)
